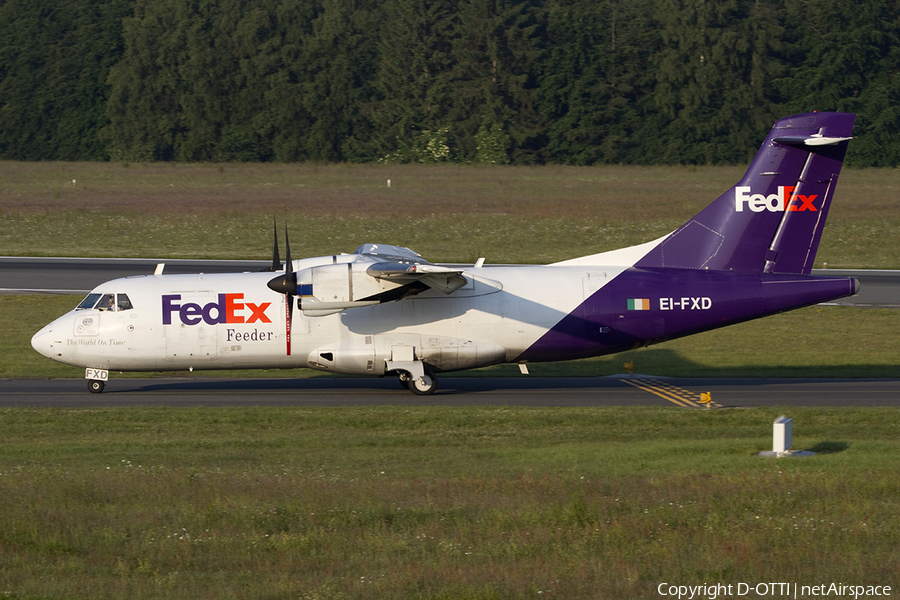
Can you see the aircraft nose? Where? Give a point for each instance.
(43, 342)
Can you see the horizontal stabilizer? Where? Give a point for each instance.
(813, 140)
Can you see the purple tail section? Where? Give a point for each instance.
(771, 221)
(746, 255)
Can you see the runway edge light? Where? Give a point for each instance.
(782, 433)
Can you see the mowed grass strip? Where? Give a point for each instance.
(818, 341)
(448, 213)
(433, 502)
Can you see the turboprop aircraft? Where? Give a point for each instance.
(384, 310)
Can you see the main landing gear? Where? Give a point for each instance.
(423, 385)
(414, 374)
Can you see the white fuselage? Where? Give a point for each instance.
(227, 321)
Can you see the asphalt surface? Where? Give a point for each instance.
(29, 275)
(677, 393)
(20, 275)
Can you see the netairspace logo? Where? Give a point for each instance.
(771, 590)
(784, 200)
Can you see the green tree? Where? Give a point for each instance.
(492, 145)
(412, 91)
(195, 81)
(339, 57)
(847, 57)
(283, 61)
(570, 81)
(54, 60)
(221, 87)
(496, 50)
(144, 107)
(596, 79)
(714, 78)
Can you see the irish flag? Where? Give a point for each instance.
(639, 304)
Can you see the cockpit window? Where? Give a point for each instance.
(122, 302)
(113, 302)
(107, 302)
(89, 301)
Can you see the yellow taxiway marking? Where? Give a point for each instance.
(672, 393)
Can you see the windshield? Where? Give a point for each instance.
(89, 301)
(109, 302)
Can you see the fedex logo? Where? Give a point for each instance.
(784, 200)
(228, 309)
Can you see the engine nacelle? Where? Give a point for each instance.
(367, 355)
(326, 289)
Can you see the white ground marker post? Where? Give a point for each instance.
(782, 434)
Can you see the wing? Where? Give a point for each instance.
(444, 279)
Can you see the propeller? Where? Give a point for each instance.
(285, 284)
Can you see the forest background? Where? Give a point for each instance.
(493, 81)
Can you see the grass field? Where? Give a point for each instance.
(448, 213)
(433, 502)
(461, 503)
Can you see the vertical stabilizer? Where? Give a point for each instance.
(771, 221)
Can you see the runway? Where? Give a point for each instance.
(29, 275)
(675, 393)
(40, 275)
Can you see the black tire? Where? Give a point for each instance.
(424, 386)
(95, 386)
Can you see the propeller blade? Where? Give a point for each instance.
(276, 261)
(289, 310)
(287, 248)
(290, 277)
(285, 284)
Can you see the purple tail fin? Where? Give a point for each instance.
(772, 220)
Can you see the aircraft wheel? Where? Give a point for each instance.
(424, 385)
(96, 386)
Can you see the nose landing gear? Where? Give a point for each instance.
(96, 379)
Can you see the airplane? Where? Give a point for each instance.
(383, 310)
